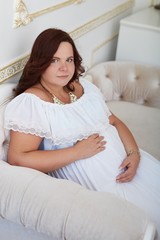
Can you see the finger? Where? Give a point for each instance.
(100, 149)
(125, 177)
(124, 180)
(123, 165)
(122, 175)
(101, 144)
(95, 135)
(123, 170)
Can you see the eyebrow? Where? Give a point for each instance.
(66, 58)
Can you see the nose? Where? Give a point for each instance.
(63, 66)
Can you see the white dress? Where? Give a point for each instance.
(62, 126)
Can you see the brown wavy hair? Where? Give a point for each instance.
(44, 47)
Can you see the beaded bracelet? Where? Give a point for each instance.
(133, 151)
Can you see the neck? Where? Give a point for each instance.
(58, 90)
(66, 98)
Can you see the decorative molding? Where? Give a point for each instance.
(18, 65)
(114, 35)
(101, 19)
(23, 17)
(13, 68)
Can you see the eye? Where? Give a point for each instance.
(54, 60)
(70, 60)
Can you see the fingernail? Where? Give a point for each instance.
(120, 167)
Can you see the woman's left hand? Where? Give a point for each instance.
(128, 168)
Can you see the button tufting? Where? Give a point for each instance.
(136, 78)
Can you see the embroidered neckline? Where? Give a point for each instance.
(73, 97)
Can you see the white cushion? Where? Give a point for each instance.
(65, 210)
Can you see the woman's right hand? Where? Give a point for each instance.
(89, 147)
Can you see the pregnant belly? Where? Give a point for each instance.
(100, 168)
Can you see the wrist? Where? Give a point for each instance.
(76, 153)
(133, 151)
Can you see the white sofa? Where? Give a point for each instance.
(132, 92)
(36, 206)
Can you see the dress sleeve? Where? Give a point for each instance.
(26, 113)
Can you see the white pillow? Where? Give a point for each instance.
(65, 210)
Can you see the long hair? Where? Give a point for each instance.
(44, 47)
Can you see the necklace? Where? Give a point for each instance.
(56, 100)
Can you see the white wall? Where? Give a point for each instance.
(93, 24)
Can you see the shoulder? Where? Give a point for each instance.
(78, 88)
(37, 91)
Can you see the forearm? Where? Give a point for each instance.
(44, 160)
(126, 137)
(23, 151)
(130, 163)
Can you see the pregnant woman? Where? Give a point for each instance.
(59, 124)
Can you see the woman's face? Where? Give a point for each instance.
(62, 68)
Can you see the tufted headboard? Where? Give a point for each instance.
(128, 81)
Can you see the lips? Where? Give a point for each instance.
(65, 76)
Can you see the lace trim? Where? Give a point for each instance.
(59, 139)
(31, 130)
